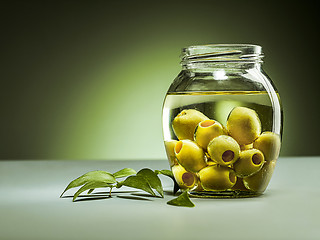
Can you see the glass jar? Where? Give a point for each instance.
(222, 122)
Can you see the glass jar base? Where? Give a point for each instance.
(224, 194)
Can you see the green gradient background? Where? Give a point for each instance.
(86, 79)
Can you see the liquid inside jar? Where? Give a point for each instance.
(221, 144)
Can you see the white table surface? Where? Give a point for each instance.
(30, 207)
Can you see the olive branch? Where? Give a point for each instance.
(146, 180)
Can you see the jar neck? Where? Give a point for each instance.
(215, 56)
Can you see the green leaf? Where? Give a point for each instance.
(124, 173)
(97, 176)
(153, 179)
(91, 185)
(138, 182)
(165, 172)
(182, 201)
(90, 191)
(169, 173)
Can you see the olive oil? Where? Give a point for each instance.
(217, 106)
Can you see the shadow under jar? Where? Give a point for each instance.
(222, 122)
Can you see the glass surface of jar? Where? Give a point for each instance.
(222, 122)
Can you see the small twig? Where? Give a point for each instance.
(110, 191)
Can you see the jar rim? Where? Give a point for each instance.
(249, 53)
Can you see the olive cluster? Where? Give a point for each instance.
(209, 156)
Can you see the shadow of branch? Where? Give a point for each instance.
(134, 195)
(135, 198)
(91, 198)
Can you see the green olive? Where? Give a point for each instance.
(184, 178)
(224, 150)
(269, 144)
(210, 162)
(249, 162)
(217, 177)
(206, 131)
(185, 123)
(243, 125)
(259, 181)
(190, 155)
(239, 185)
(169, 146)
(199, 188)
(246, 147)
